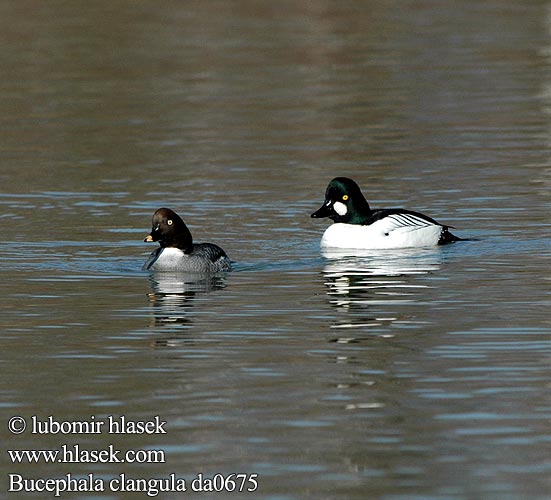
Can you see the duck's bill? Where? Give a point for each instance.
(149, 238)
(324, 211)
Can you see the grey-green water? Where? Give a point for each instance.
(393, 375)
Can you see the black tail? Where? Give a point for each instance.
(446, 237)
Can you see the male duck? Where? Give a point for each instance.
(178, 252)
(358, 226)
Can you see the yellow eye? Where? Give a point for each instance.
(169, 222)
(345, 197)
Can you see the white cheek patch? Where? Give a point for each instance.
(340, 208)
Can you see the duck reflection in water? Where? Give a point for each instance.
(172, 298)
(369, 290)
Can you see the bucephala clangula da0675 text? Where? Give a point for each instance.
(358, 226)
(177, 251)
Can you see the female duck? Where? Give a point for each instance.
(177, 251)
(358, 226)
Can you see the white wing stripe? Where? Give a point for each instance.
(417, 220)
(409, 220)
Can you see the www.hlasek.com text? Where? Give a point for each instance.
(74, 453)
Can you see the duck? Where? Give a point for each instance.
(357, 226)
(177, 251)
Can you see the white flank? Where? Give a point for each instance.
(394, 231)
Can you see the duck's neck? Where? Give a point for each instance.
(182, 239)
(359, 212)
